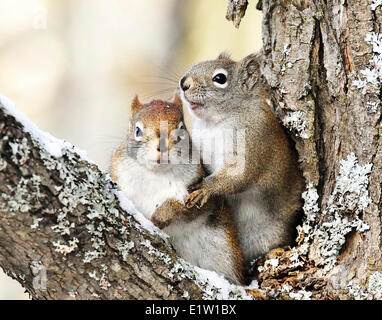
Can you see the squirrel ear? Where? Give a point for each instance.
(249, 71)
(178, 101)
(224, 56)
(135, 105)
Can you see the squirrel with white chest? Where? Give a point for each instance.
(265, 196)
(153, 169)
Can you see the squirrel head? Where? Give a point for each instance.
(212, 89)
(157, 137)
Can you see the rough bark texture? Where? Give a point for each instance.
(322, 60)
(236, 11)
(63, 234)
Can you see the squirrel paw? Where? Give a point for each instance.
(198, 198)
(161, 218)
(194, 187)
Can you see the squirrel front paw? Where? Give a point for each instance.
(161, 217)
(197, 198)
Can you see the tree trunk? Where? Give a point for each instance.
(323, 61)
(65, 235)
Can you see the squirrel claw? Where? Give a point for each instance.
(197, 199)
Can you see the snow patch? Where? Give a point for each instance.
(375, 4)
(127, 205)
(51, 144)
(212, 285)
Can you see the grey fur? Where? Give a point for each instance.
(266, 196)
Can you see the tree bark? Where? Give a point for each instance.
(64, 235)
(323, 61)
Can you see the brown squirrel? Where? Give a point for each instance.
(265, 194)
(152, 167)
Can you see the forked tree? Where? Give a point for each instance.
(67, 232)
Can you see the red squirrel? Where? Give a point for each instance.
(153, 171)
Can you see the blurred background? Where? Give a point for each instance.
(74, 66)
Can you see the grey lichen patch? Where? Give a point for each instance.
(97, 242)
(355, 292)
(87, 188)
(375, 285)
(23, 197)
(124, 248)
(373, 289)
(20, 151)
(351, 190)
(66, 248)
(287, 292)
(182, 269)
(350, 195)
(104, 283)
(369, 79)
(17, 276)
(101, 279)
(311, 210)
(3, 164)
(332, 236)
(90, 225)
(286, 64)
(155, 252)
(295, 121)
(93, 274)
(63, 225)
(36, 222)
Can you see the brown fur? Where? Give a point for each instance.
(270, 160)
(150, 115)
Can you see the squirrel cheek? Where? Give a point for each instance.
(152, 149)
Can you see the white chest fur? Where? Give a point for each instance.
(198, 241)
(214, 142)
(149, 189)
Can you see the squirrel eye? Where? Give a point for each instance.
(220, 78)
(138, 133)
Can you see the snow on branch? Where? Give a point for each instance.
(67, 232)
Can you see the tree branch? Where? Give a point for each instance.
(236, 11)
(65, 232)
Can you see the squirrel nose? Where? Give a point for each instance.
(185, 83)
